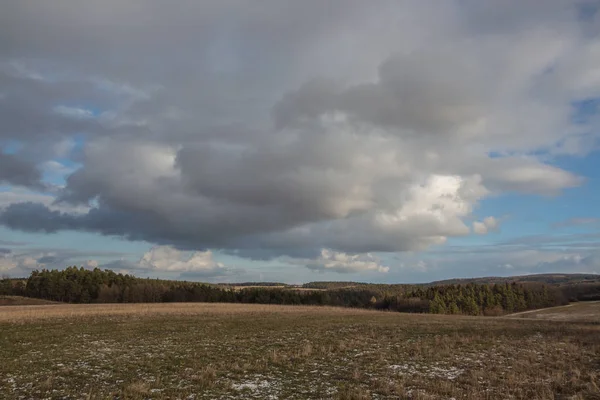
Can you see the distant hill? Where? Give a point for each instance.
(254, 284)
(550, 279)
(553, 279)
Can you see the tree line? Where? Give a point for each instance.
(476, 299)
(79, 285)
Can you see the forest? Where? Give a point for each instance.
(79, 285)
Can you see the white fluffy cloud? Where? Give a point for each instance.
(488, 224)
(23, 263)
(346, 263)
(169, 259)
(91, 264)
(18, 260)
(159, 260)
(7, 262)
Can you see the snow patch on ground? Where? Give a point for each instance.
(267, 387)
(430, 371)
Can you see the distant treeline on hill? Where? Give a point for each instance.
(78, 285)
(547, 279)
(241, 284)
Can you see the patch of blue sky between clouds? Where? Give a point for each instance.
(10, 146)
(69, 154)
(55, 172)
(585, 109)
(588, 10)
(81, 241)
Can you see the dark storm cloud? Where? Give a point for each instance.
(16, 171)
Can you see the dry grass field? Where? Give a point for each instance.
(300, 289)
(231, 351)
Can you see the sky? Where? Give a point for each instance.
(296, 141)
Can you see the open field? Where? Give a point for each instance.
(66, 312)
(233, 351)
(575, 312)
(298, 288)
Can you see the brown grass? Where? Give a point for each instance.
(238, 288)
(225, 351)
(299, 289)
(575, 312)
(136, 389)
(33, 313)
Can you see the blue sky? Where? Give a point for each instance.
(399, 143)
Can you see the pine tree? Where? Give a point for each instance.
(453, 308)
(471, 307)
(437, 305)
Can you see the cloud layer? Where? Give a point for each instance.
(285, 129)
(169, 259)
(345, 263)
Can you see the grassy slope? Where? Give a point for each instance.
(220, 351)
(23, 301)
(576, 312)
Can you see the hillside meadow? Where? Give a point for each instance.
(247, 351)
